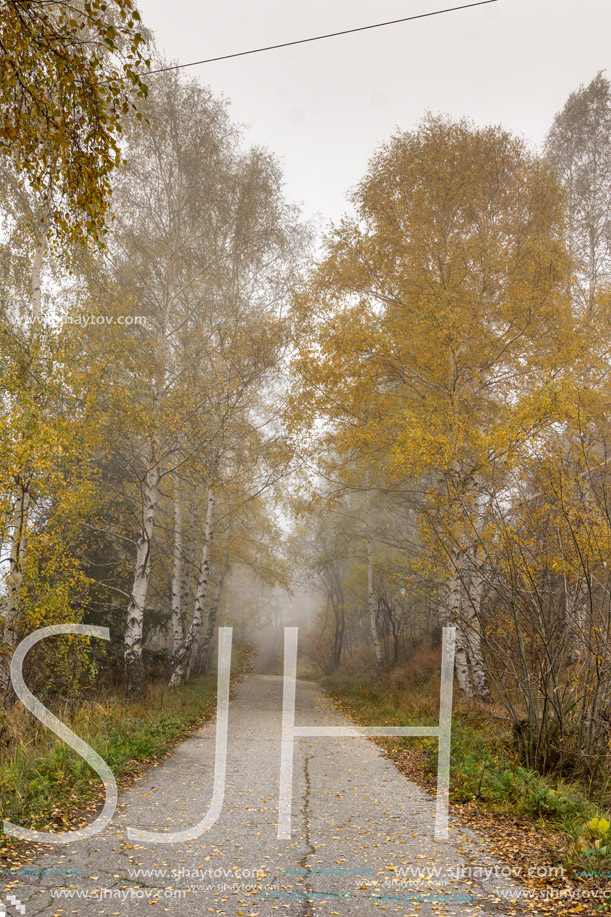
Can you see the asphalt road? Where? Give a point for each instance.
(362, 835)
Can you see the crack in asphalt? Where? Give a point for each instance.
(309, 847)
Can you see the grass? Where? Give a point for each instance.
(46, 786)
(485, 768)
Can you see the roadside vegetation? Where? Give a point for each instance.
(487, 772)
(46, 786)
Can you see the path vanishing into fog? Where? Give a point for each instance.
(357, 824)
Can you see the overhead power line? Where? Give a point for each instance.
(303, 41)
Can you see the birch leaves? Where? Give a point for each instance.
(68, 75)
(441, 326)
(206, 246)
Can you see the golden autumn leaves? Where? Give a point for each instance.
(440, 315)
(441, 346)
(69, 73)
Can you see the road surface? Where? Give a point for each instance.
(362, 835)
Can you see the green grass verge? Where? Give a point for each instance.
(46, 786)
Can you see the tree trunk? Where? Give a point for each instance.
(135, 680)
(178, 608)
(395, 637)
(371, 602)
(206, 648)
(36, 283)
(336, 597)
(577, 623)
(473, 641)
(463, 674)
(454, 589)
(373, 611)
(471, 614)
(180, 662)
(13, 592)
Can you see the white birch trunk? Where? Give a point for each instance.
(180, 664)
(206, 648)
(135, 683)
(13, 593)
(135, 679)
(40, 247)
(473, 640)
(190, 536)
(463, 674)
(371, 602)
(471, 614)
(461, 659)
(178, 608)
(36, 288)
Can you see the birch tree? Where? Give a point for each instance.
(178, 577)
(182, 656)
(162, 256)
(207, 247)
(25, 396)
(441, 324)
(579, 146)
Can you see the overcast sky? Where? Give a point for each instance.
(324, 107)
